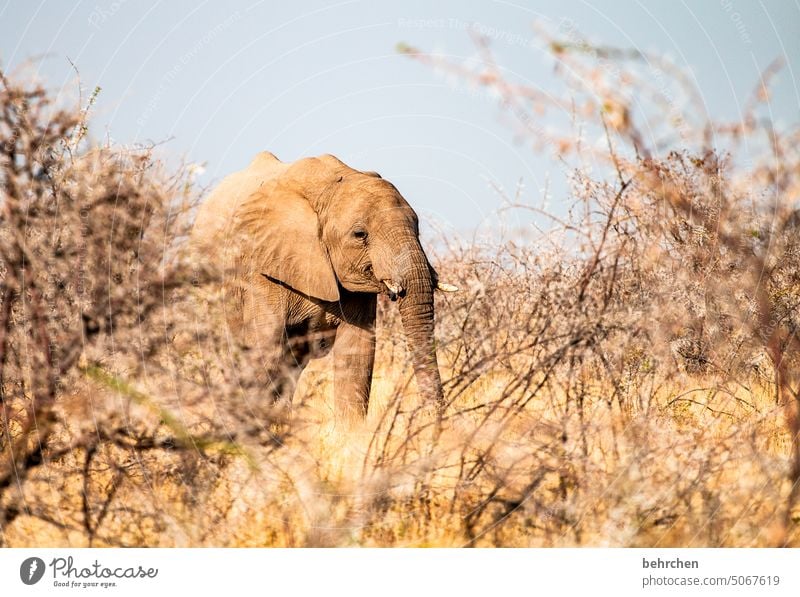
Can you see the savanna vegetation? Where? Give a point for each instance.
(623, 372)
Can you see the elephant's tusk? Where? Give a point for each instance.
(392, 286)
(394, 289)
(446, 287)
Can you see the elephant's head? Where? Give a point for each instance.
(331, 227)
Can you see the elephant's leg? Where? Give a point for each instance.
(354, 356)
(264, 332)
(297, 352)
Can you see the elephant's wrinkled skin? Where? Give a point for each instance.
(304, 248)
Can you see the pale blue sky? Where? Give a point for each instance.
(229, 79)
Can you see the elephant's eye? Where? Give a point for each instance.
(360, 234)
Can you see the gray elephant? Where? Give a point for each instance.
(305, 248)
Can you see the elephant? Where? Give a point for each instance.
(305, 248)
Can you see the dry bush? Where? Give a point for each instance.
(626, 377)
(98, 299)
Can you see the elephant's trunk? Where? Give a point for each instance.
(416, 313)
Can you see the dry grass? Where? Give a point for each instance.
(628, 377)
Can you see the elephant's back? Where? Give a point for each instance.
(216, 215)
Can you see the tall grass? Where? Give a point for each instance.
(627, 378)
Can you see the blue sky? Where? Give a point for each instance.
(224, 80)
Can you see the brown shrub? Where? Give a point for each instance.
(619, 380)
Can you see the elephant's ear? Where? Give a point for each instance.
(283, 243)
